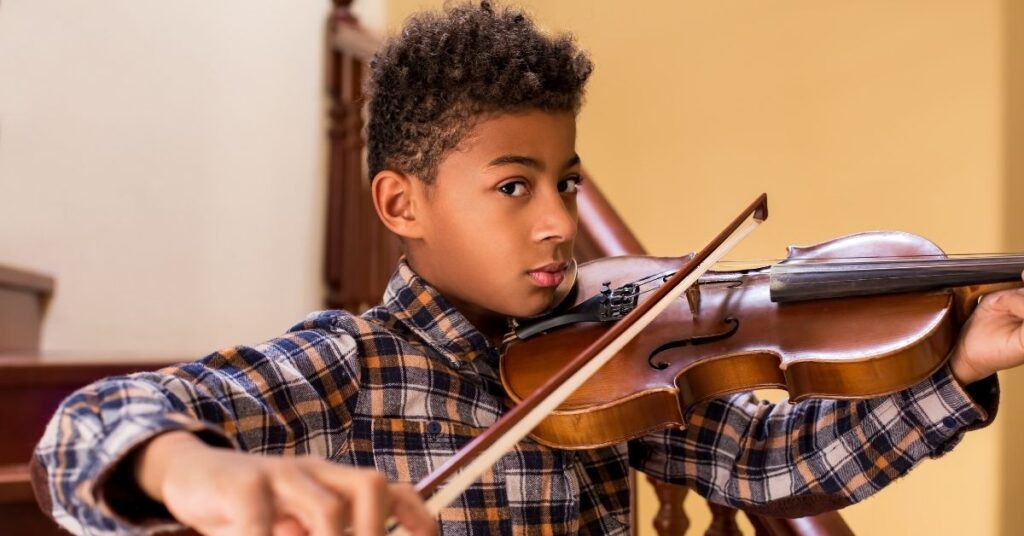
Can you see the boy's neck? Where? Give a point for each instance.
(491, 325)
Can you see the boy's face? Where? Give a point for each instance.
(498, 223)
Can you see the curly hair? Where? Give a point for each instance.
(429, 85)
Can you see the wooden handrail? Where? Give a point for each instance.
(351, 37)
(601, 224)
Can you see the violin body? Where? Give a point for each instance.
(731, 337)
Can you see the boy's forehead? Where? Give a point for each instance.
(536, 134)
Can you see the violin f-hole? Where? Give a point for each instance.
(697, 340)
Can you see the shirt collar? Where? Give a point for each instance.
(422, 308)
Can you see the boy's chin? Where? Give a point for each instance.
(536, 304)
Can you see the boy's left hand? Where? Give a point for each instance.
(992, 338)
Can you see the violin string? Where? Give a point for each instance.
(651, 289)
(851, 280)
(841, 260)
(895, 263)
(867, 263)
(867, 268)
(883, 278)
(889, 266)
(931, 259)
(876, 263)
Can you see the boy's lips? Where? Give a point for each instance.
(549, 275)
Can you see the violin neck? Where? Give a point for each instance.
(815, 280)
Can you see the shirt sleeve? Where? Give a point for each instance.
(294, 394)
(794, 460)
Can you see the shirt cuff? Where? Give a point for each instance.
(985, 394)
(116, 490)
(944, 410)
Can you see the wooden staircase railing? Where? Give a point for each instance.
(361, 253)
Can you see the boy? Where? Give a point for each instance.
(471, 148)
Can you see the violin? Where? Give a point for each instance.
(855, 317)
(636, 341)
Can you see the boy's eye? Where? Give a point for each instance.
(515, 188)
(570, 185)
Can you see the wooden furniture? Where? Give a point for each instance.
(30, 391)
(24, 296)
(18, 508)
(361, 253)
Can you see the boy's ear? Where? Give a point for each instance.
(394, 197)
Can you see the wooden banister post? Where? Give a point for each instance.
(360, 252)
(723, 521)
(671, 519)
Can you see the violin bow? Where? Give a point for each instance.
(485, 450)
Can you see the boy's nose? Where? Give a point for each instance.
(557, 219)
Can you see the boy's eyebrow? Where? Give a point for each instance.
(530, 162)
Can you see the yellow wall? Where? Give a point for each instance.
(852, 116)
(1011, 466)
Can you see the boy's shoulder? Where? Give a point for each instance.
(385, 331)
(375, 321)
(321, 342)
(348, 332)
(336, 327)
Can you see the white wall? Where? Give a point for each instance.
(163, 160)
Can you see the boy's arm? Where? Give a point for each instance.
(793, 460)
(293, 395)
(222, 491)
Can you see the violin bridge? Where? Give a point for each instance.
(693, 298)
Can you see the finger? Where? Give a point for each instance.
(371, 504)
(288, 526)
(1007, 301)
(409, 508)
(254, 507)
(366, 490)
(319, 508)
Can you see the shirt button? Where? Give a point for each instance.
(949, 422)
(433, 428)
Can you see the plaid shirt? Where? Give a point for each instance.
(402, 387)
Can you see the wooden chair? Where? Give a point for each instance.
(353, 227)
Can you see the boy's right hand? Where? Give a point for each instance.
(218, 491)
